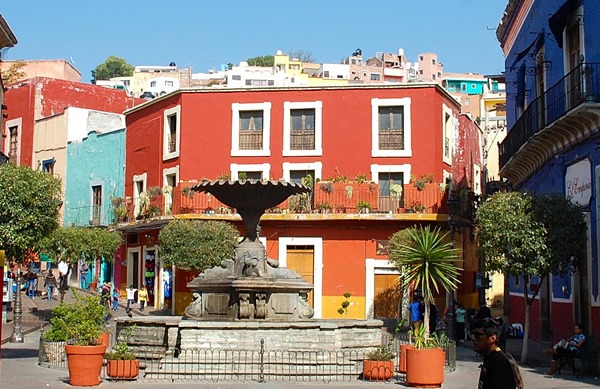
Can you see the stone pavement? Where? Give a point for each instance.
(18, 363)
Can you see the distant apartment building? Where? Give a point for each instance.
(51, 68)
(153, 81)
(429, 68)
(467, 89)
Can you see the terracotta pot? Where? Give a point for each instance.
(121, 369)
(377, 370)
(425, 367)
(105, 339)
(403, 349)
(85, 364)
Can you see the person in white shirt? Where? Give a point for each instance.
(130, 299)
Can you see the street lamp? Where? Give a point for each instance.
(17, 334)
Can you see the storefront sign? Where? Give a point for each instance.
(578, 182)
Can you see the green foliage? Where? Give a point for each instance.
(90, 244)
(299, 203)
(29, 208)
(197, 245)
(343, 309)
(112, 67)
(422, 340)
(121, 350)
(364, 205)
(425, 261)
(58, 330)
(511, 240)
(265, 60)
(82, 320)
(385, 352)
(14, 73)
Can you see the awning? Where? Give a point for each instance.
(558, 21)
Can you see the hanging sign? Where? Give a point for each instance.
(578, 182)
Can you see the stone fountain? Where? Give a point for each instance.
(250, 286)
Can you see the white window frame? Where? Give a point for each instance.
(288, 167)
(476, 179)
(236, 108)
(236, 168)
(375, 105)
(166, 132)
(129, 262)
(373, 267)
(287, 108)
(404, 169)
(143, 178)
(102, 185)
(317, 243)
(447, 129)
(18, 122)
(168, 198)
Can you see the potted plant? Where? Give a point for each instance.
(426, 260)
(121, 362)
(55, 338)
(379, 363)
(324, 207)
(84, 323)
(364, 207)
(420, 182)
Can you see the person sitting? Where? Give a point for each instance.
(566, 348)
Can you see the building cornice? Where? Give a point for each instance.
(7, 38)
(512, 22)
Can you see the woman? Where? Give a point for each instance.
(460, 322)
(568, 348)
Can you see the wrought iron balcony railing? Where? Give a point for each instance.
(582, 85)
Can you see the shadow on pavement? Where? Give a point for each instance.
(8, 353)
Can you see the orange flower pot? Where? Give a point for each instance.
(377, 370)
(425, 367)
(403, 349)
(122, 369)
(85, 364)
(105, 339)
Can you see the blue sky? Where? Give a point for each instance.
(206, 34)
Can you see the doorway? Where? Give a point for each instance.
(301, 259)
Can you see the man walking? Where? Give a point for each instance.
(130, 299)
(499, 370)
(83, 272)
(50, 284)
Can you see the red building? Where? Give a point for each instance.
(38, 98)
(368, 148)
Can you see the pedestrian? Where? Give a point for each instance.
(498, 370)
(31, 283)
(83, 276)
(116, 295)
(460, 314)
(484, 312)
(50, 284)
(130, 298)
(416, 318)
(142, 297)
(567, 348)
(105, 294)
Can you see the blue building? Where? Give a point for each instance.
(94, 181)
(552, 57)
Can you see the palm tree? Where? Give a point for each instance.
(425, 261)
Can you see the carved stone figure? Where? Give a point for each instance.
(194, 310)
(261, 308)
(244, 304)
(305, 310)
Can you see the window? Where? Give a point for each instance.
(420, 57)
(391, 127)
(375, 77)
(302, 128)
(169, 83)
(250, 129)
(171, 132)
(433, 76)
(96, 204)
(294, 172)
(420, 71)
(433, 61)
(48, 166)
(467, 101)
(236, 77)
(463, 87)
(473, 86)
(476, 179)
(13, 144)
(152, 84)
(326, 73)
(254, 171)
(139, 185)
(170, 178)
(448, 130)
(126, 82)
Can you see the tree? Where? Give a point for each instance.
(197, 245)
(426, 262)
(112, 67)
(29, 204)
(303, 56)
(14, 73)
(527, 236)
(265, 60)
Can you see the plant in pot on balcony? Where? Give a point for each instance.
(426, 261)
(379, 363)
(364, 207)
(121, 362)
(84, 322)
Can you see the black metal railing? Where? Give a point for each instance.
(259, 365)
(579, 86)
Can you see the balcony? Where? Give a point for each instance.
(567, 114)
(340, 201)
